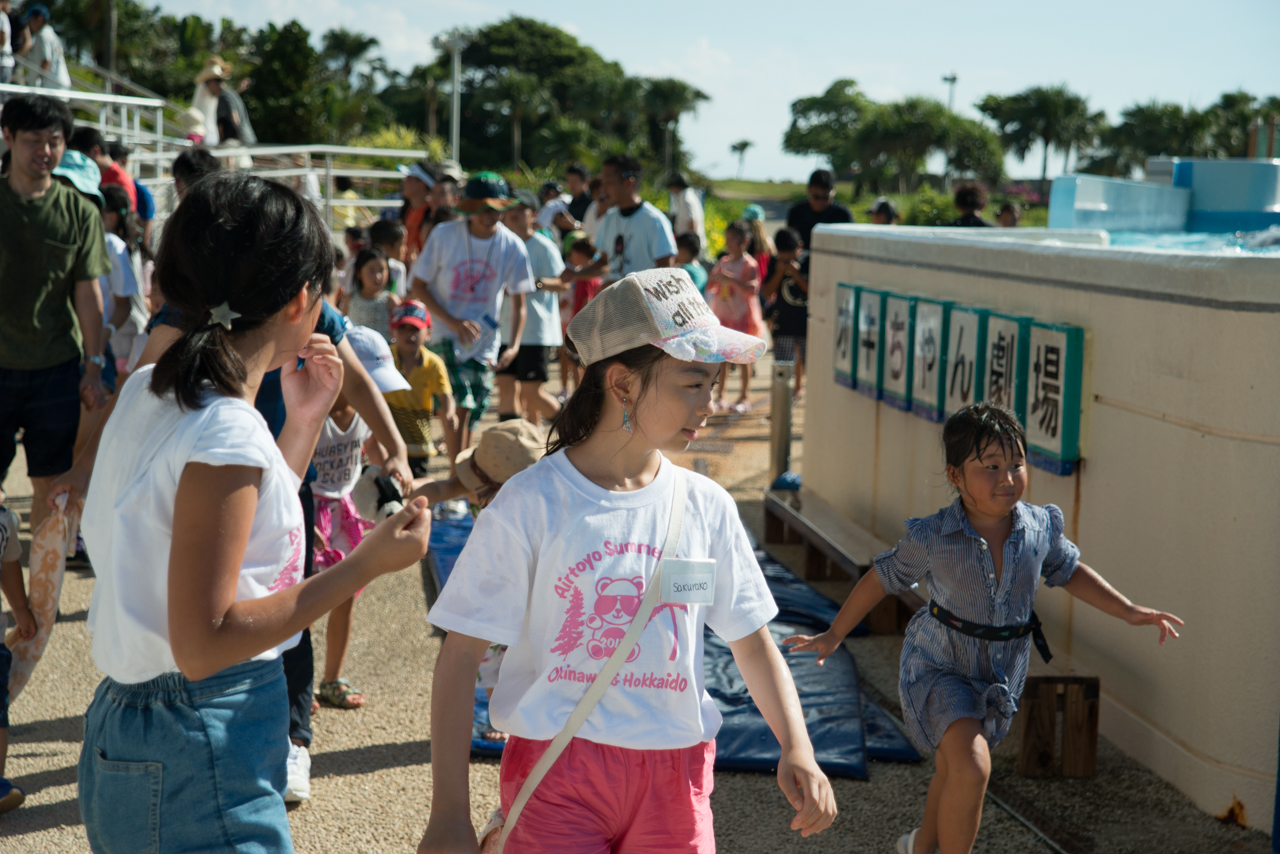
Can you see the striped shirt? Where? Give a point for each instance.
(946, 675)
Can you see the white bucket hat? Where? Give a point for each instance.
(375, 355)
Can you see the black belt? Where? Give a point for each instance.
(994, 633)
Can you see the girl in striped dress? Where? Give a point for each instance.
(965, 657)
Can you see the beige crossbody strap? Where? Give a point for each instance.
(611, 667)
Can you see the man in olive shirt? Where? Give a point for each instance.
(52, 251)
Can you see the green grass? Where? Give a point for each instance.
(792, 190)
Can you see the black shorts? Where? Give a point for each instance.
(45, 404)
(530, 363)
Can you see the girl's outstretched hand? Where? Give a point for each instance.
(399, 540)
(1140, 616)
(808, 790)
(309, 391)
(823, 644)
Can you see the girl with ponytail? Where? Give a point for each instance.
(197, 533)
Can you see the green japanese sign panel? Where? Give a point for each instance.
(1008, 338)
(966, 358)
(899, 327)
(846, 334)
(929, 359)
(1053, 396)
(869, 358)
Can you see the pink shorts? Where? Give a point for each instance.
(598, 799)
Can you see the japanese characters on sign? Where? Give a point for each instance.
(1007, 346)
(869, 358)
(929, 371)
(846, 334)
(1053, 389)
(899, 326)
(934, 358)
(966, 358)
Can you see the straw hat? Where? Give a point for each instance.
(214, 69)
(192, 121)
(503, 451)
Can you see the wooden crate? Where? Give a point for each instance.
(1059, 685)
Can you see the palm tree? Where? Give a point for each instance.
(666, 99)
(427, 79)
(344, 49)
(740, 148)
(524, 95)
(1051, 115)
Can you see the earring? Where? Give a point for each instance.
(626, 418)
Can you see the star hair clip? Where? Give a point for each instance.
(223, 315)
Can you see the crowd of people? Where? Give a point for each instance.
(246, 412)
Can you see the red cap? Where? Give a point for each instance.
(412, 313)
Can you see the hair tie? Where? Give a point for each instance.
(223, 315)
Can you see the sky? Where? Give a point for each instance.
(754, 58)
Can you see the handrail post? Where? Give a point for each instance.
(780, 421)
(328, 189)
(159, 140)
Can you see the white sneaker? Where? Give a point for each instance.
(907, 842)
(297, 787)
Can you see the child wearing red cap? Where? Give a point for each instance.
(428, 380)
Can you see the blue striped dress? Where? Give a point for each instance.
(946, 675)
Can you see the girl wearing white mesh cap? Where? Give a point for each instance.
(598, 567)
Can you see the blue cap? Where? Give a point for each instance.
(753, 213)
(82, 172)
(36, 9)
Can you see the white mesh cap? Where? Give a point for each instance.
(660, 307)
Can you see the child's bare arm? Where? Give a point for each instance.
(377, 454)
(865, 595)
(452, 700)
(16, 595)
(436, 491)
(801, 780)
(1087, 586)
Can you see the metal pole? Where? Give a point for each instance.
(455, 111)
(950, 79)
(159, 138)
(780, 420)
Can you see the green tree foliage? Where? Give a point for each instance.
(1047, 115)
(284, 101)
(825, 124)
(973, 149)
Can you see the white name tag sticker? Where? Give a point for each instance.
(688, 582)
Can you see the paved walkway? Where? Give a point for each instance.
(371, 768)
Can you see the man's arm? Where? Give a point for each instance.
(518, 313)
(664, 261)
(88, 306)
(359, 388)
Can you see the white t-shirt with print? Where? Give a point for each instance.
(47, 47)
(556, 567)
(337, 457)
(469, 277)
(542, 308)
(128, 519)
(634, 242)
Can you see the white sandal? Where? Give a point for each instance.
(907, 842)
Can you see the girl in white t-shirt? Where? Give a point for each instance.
(556, 569)
(194, 520)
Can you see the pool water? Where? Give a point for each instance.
(1237, 243)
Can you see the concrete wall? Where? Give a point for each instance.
(1230, 195)
(1175, 502)
(1090, 201)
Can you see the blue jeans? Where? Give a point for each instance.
(174, 765)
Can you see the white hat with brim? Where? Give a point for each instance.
(661, 307)
(375, 356)
(213, 71)
(417, 170)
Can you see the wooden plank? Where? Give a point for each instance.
(775, 530)
(848, 544)
(883, 618)
(1080, 730)
(816, 565)
(1039, 734)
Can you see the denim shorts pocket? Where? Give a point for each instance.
(127, 803)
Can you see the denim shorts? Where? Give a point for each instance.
(6, 661)
(45, 404)
(175, 765)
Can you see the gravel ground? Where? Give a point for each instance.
(371, 768)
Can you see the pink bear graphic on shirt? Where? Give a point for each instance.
(617, 601)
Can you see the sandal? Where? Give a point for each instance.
(491, 734)
(339, 694)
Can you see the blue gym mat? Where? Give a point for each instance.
(845, 727)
